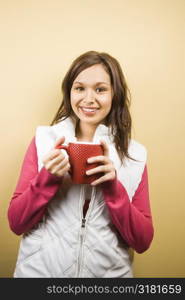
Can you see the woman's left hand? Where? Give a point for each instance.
(107, 166)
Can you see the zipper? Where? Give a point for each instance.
(80, 256)
(83, 228)
(83, 222)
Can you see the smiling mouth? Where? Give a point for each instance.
(89, 109)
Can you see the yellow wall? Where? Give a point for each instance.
(39, 40)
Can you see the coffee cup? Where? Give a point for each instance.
(78, 153)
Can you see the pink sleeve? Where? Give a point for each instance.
(132, 219)
(33, 192)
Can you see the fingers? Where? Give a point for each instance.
(62, 171)
(106, 167)
(60, 168)
(51, 155)
(100, 158)
(57, 162)
(106, 177)
(105, 147)
(100, 169)
(59, 141)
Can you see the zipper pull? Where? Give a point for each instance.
(83, 222)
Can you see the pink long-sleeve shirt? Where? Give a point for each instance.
(36, 189)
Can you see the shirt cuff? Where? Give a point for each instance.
(46, 179)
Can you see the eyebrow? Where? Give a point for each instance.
(97, 83)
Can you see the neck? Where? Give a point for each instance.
(85, 132)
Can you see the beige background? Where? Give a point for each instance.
(39, 40)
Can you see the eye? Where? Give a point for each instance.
(100, 90)
(79, 88)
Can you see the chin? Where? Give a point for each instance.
(90, 121)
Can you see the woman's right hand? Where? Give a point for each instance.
(56, 162)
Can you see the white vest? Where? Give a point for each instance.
(59, 246)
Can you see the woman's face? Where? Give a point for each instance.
(91, 95)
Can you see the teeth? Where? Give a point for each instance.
(88, 109)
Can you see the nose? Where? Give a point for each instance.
(89, 97)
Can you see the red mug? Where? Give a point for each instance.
(78, 153)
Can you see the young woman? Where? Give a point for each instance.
(76, 230)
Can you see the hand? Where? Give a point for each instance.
(107, 166)
(56, 162)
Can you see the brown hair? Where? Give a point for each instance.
(119, 118)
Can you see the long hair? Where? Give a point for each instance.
(119, 118)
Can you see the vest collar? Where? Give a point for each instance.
(67, 128)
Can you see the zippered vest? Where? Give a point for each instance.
(61, 245)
